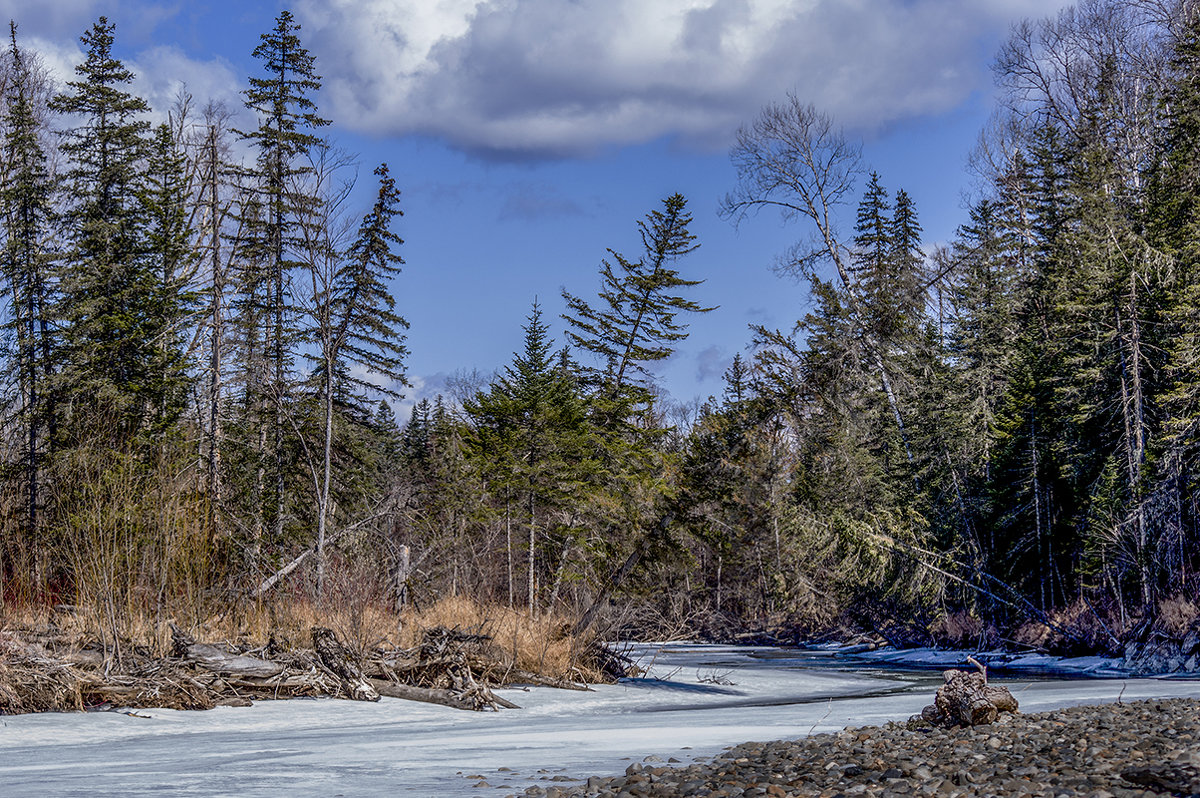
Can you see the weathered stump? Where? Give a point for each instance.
(334, 658)
(966, 699)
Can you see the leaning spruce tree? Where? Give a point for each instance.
(632, 326)
(356, 324)
(634, 323)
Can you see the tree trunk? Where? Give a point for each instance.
(401, 575)
(334, 657)
(217, 335)
(532, 552)
(1132, 410)
(508, 546)
(326, 465)
(426, 695)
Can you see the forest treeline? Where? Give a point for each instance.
(201, 350)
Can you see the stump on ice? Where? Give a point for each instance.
(966, 699)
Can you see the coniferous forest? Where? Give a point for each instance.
(989, 440)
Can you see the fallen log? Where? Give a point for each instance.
(218, 660)
(966, 699)
(426, 695)
(525, 677)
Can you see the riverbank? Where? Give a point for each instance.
(1118, 750)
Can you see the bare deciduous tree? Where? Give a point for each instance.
(791, 158)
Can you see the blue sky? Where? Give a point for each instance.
(528, 136)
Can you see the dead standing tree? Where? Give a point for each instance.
(792, 159)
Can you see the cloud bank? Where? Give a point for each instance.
(546, 78)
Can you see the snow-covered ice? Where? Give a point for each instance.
(696, 700)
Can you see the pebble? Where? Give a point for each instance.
(1139, 749)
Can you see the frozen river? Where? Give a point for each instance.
(699, 700)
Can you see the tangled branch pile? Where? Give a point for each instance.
(448, 667)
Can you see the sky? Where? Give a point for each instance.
(528, 137)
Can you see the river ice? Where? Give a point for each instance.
(697, 700)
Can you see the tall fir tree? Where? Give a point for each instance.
(168, 198)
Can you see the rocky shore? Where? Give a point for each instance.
(1145, 748)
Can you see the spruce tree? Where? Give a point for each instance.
(983, 299)
(112, 324)
(889, 301)
(355, 324)
(169, 238)
(282, 99)
(908, 264)
(366, 329)
(634, 323)
(873, 251)
(532, 431)
(26, 209)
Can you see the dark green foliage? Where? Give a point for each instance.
(1174, 183)
(361, 311)
(117, 313)
(26, 208)
(532, 428)
(634, 324)
(167, 198)
(275, 210)
(733, 490)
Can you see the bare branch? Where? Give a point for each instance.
(793, 159)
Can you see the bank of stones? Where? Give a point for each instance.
(1145, 748)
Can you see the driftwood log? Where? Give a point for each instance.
(525, 677)
(966, 699)
(220, 660)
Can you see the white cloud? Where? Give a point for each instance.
(163, 72)
(546, 77)
(160, 73)
(58, 58)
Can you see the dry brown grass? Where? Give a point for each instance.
(1087, 630)
(542, 644)
(1177, 615)
(959, 629)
